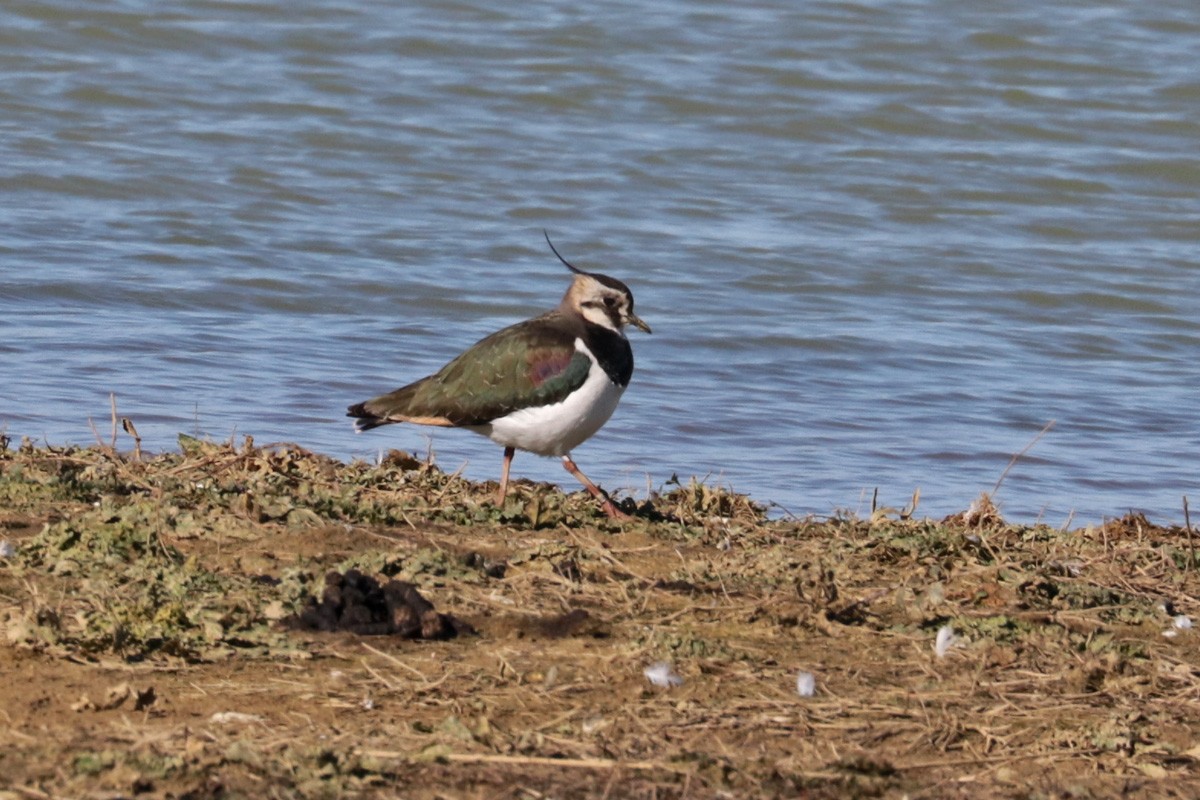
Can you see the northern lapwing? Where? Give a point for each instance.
(544, 385)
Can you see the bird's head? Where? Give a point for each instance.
(599, 299)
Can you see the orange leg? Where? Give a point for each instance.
(592, 488)
(508, 457)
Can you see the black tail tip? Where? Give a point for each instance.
(363, 420)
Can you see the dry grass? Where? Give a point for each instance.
(145, 655)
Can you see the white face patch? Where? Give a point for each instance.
(597, 316)
(601, 305)
(555, 430)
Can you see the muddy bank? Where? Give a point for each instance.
(153, 643)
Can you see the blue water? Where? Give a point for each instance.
(881, 245)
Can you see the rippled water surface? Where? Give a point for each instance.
(882, 244)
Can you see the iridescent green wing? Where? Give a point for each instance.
(533, 363)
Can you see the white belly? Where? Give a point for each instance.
(556, 430)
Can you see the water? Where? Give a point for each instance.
(882, 244)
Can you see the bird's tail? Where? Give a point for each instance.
(364, 420)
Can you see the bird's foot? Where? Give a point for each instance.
(612, 511)
(595, 491)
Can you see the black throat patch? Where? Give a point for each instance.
(612, 351)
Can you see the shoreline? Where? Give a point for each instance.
(866, 502)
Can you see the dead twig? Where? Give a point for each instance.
(1013, 461)
(543, 761)
(127, 425)
(1187, 522)
(112, 401)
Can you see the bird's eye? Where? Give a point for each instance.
(610, 301)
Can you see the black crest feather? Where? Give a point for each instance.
(554, 249)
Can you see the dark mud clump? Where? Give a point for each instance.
(358, 603)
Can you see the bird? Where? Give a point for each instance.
(543, 386)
